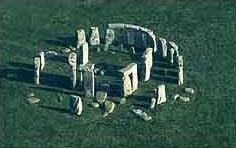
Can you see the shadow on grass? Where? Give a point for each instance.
(61, 110)
(27, 76)
(64, 41)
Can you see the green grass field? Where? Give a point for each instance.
(205, 33)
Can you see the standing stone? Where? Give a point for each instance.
(42, 60)
(174, 53)
(76, 106)
(94, 38)
(84, 54)
(147, 64)
(180, 70)
(163, 47)
(81, 38)
(37, 69)
(89, 80)
(161, 94)
(129, 79)
(110, 36)
(72, 59)
(132, 50)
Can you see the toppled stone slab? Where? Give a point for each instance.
(95, 104)
(189, 90)
(101, 96)
(140, 113)
(32, 99)
(108, 107)
(181, 98)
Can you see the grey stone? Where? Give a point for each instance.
(101, 96)
(108, 107)
(95, 104)
(84, 54)
(189, 90)
(153, 103)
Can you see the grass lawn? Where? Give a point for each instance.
(204, 31)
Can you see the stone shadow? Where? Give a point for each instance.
(63, 41)
(61, 110)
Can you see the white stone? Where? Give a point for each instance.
(76, 106)
(180, 70)
(153, 103)
(94, 37)
(110, 36)
(161, 94)
(143, 115)
(184, 99)
(84, 54)
(89, 81)
(37, 69)
(163, 47)
(42, 60)
(33, 100)
(147, 62)
(189, 90)
(130, 79)
(72, 59)
(172, 51)
(81, 38)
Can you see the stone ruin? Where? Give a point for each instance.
(139, 39)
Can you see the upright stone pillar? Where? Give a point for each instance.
(84, 53)
(161, 94)
(72, 59)
(81, 38)
(94, 37)
(89, 80)
(37, 64)
(110, 36)
(163, 47)
(180, 70)
(42, 60)
(147, 64)
(76, 106)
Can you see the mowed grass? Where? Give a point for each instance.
(205, 33)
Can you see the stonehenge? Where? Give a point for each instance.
(143, 44)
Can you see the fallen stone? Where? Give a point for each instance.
(95, 105)
(184, 99)
(108, 107)
(33, 100)
(102, 72)
(140, 113)
(118, 100)
(101, 96)
(189, 90)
